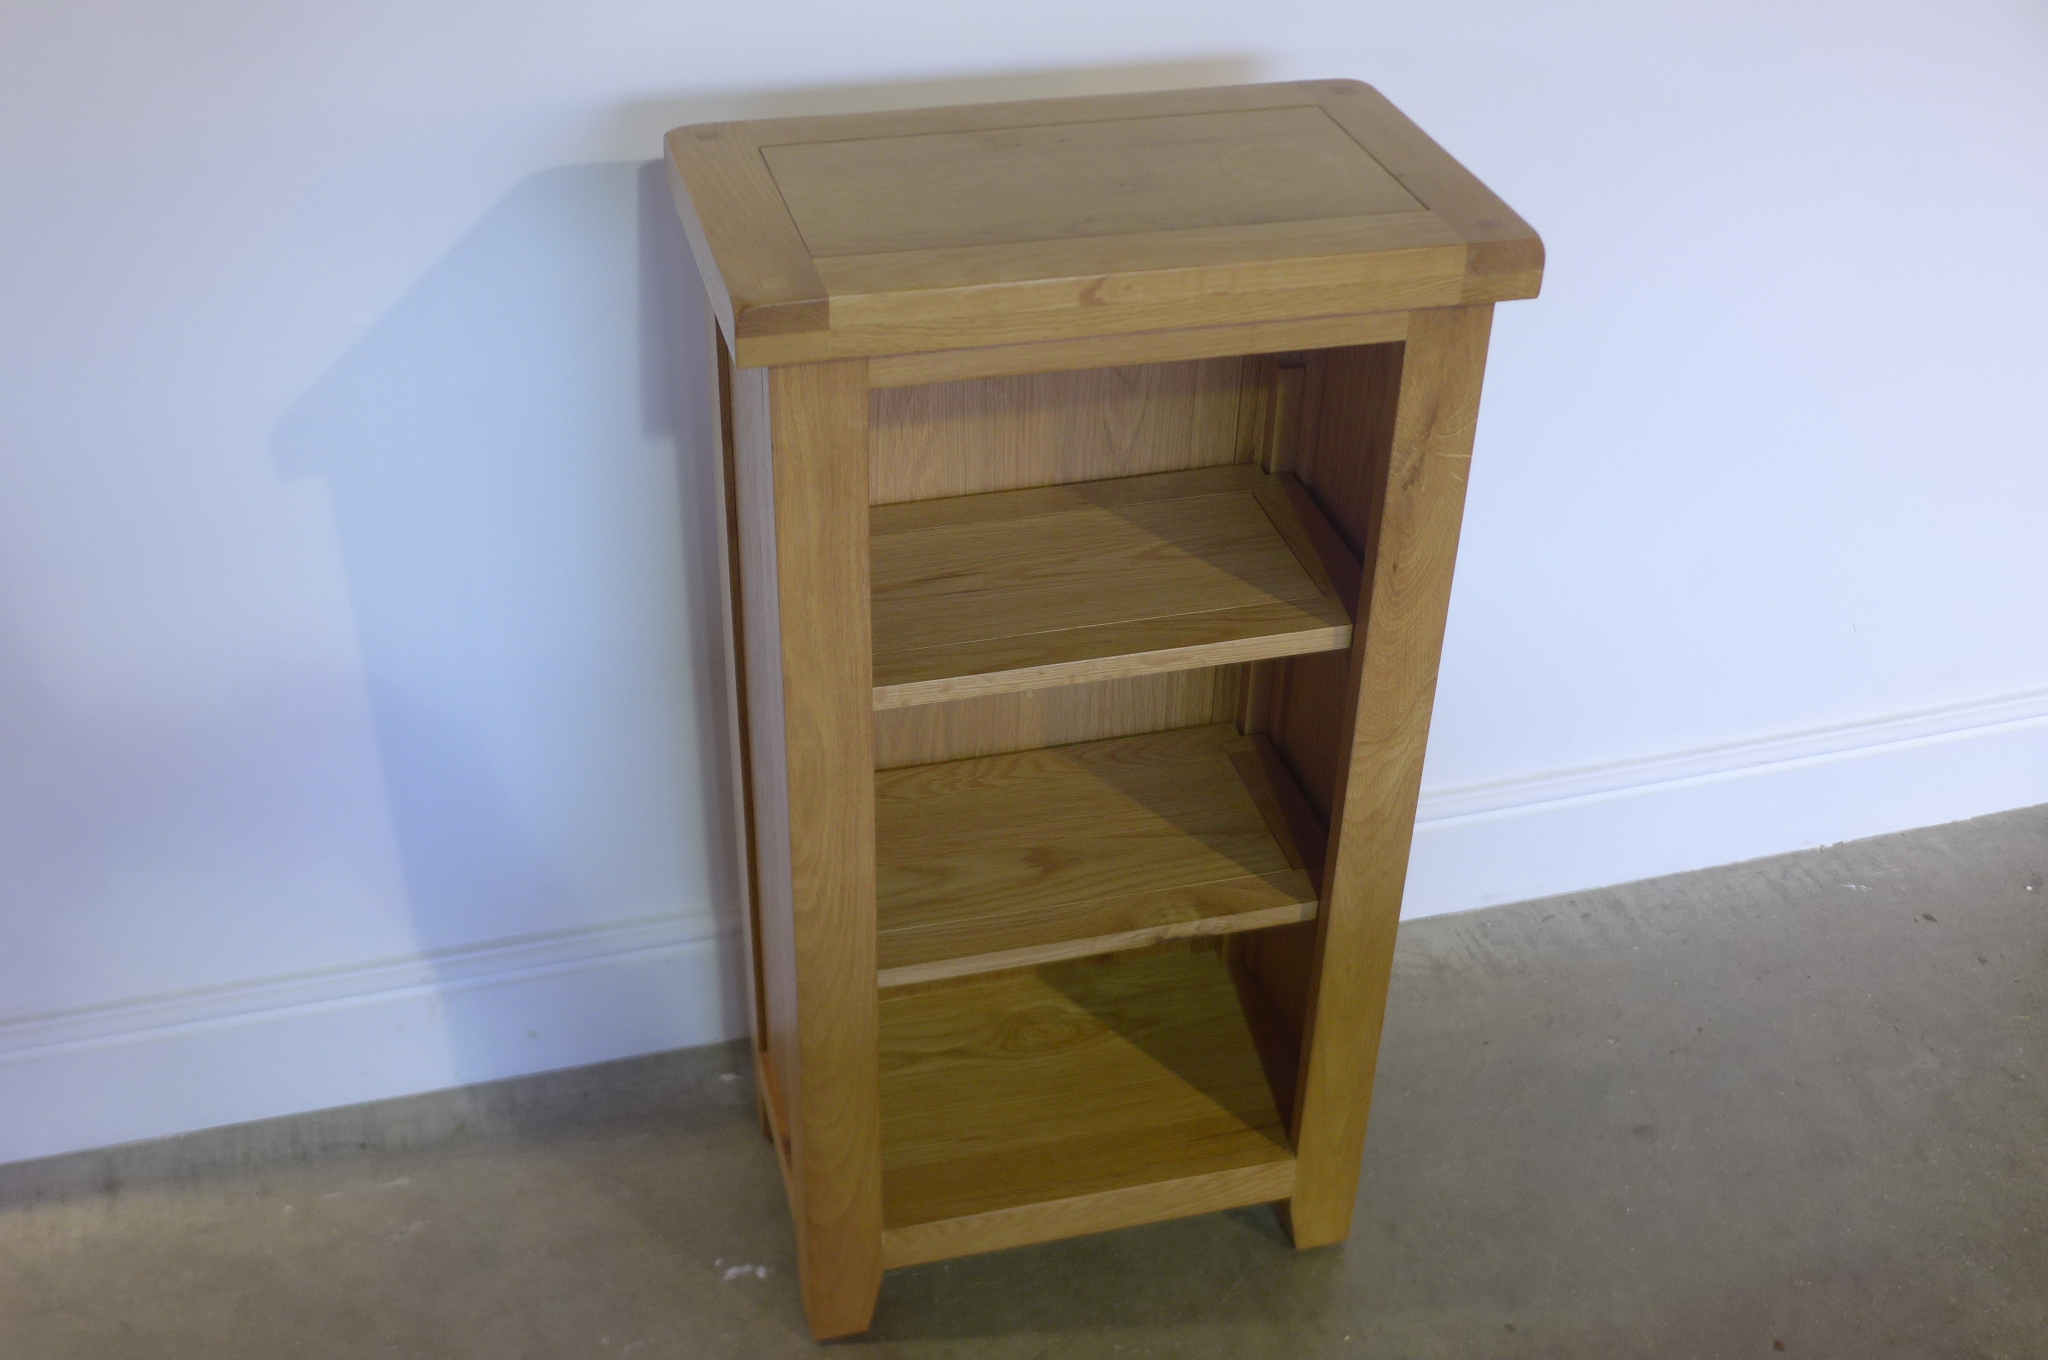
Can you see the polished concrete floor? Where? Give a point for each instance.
(1796, 1107)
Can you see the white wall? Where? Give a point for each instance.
(356, 663)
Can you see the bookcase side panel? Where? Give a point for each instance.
(760, 662)
(801, 472)
(732, 609)
(1410, 540)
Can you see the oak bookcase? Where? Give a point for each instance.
(1092, 473)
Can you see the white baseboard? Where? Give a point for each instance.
(279, 1046)
(1508, 842)
(276, 1046)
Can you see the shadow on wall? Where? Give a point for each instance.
(519, 461)
(525, 513)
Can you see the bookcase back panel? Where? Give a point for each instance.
(1039, 429)
(997, 723)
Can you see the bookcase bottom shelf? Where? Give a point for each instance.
(1071, 1098)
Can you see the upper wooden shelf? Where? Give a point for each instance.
(1017, 590)
(991, 224)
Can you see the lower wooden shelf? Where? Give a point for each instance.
(1071, 1098)
(1004, 861)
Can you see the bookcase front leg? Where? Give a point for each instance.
(1418, 498)
(801, 467)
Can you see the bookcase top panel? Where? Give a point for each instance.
(940, 190)
(899, 233)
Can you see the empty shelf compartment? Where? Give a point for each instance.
(1072, 1098)
(1002, 861)
(1016, 590)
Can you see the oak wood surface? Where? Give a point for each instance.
(746, 876)
(755, 268)
(994, 225)
(1419, 498)
(1504, 257)
(1163, 406)
(1172, 172)
(1126, 1207)
(1042, 1085)
(800, 453)
(999, 434)
(992, 724)
(758, 656)
(1019, 859)
(1200, 342)
(1020, 589)
(1016, 294)
(1347, 426)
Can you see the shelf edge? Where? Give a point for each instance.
(1022, 1224)
(1028, 956)
(1331, 637)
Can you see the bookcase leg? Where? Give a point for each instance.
(801, 468)
(1418, 499)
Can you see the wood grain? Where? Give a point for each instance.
(746, 875)
(1004, 225)
(1113, 651)
(801, 471)
(1070, 290)
(1031, 502)
(993, 724)
(1201, 342)
(1111, 177)
(758, 644)
(1012, 860)
(1505, 256)
(1045, 1221)
(759, 276)
(1090, 428)
(1021, 589)
(1393, 682)
(1349, 403)
(1077, 1079)
(1293, 821)
(1318, 547)
(998, 434)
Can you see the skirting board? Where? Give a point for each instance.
(398, 1027)
(1593, 828)
(285, 1046)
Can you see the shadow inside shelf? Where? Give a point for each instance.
(1189, 805)
(1199, 1034)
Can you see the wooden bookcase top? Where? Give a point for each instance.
(993, 224)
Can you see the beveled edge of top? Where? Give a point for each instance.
(775, 308)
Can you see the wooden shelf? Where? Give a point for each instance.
(1009, 860)
(1017, 590)
(1077, 1097)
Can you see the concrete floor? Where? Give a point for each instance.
(1790, 1107)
